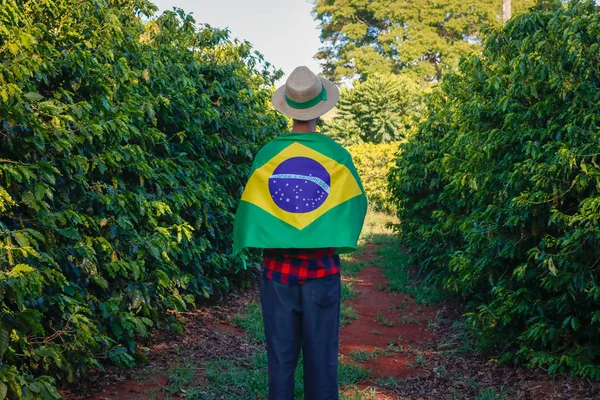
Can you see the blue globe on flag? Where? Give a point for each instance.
(299, 185)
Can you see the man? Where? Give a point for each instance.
(304, 205)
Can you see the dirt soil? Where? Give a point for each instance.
(413, 344)
(367, 334)
(209, 335)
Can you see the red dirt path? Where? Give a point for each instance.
(366, 334)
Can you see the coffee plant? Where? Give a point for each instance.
(125, 141)
(499, 191)
(373, 163)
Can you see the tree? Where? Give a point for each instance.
(382, 109)
(425, 38)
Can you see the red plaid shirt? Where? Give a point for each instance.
(296, 266)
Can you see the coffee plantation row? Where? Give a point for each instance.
(125, 141)
(499, 191)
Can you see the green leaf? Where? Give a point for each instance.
(34, 388)
(100, 281)
(70, 233)
(33, 96)
(21, 239)
(40, 191)
(13, 48)
(551, 266)
(3, 341)
(46, 352)
(3, 390)
(21, 269)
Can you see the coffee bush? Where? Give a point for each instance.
(373, 163)
(499, 191)
(125, 141)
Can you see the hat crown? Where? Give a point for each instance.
(303, 85)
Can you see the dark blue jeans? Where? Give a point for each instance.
(306, 317)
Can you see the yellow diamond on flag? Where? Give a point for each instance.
(299, 185)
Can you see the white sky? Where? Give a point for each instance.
(282, 30)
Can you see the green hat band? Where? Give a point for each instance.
(309, 103)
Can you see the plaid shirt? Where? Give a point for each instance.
(296, 266)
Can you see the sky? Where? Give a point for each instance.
(284, 31)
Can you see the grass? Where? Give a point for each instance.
(349, 375)
(351, 263)
(491, 394)
(180, 376)
(389, 381)
(348, 291)
(460, 341)
(362, 356)
(395, 264)
(393, 347)
(375, 229)
(347, 314)
(374, 232)
(503, 393)
(418, 363)
(402, 306)
(252, 322)
(393, 260)
(410, 319)
(244, 379)
(247, 379)
(354, 393)
(382, 320)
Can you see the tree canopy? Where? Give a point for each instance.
(382, 109)
(424, 38)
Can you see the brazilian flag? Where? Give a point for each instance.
(303, 192)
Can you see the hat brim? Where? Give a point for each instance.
(306, 114)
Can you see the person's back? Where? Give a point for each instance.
(303, 205)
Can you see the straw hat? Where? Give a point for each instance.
(305, 96)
